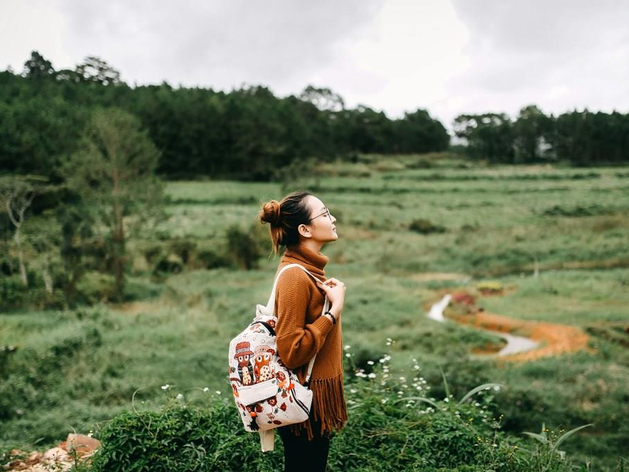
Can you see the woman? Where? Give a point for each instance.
(302, 224)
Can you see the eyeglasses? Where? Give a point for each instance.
(326, 213)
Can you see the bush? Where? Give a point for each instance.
(393, 426)
(180, 438)
(243, 248)
(490, 288)
(95, 287)
(171, 264)
(208, 259)
(14, 295)
(577, 211)
(423, 226)
(184, 249)
(12, 292)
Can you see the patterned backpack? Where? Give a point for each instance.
(267, 394)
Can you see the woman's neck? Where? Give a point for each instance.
(314, 246)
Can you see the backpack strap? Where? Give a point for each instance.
(267, 440)
(271, 307)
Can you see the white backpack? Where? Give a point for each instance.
(267, 394)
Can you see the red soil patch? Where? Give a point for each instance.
(554, 338)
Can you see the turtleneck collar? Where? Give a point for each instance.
(313, 261)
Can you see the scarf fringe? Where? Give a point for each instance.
(328, 407)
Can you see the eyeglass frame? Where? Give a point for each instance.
(327, 211)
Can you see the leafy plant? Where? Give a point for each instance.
(548, 453)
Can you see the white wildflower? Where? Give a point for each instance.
(347, 346)
(218, 392)
(372, 376)
(180, 397)
(165, 387)
(370, 362)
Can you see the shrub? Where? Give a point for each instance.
(14, 295)
(490, 288)
(393, 426)
(180, 438)
(184, 249)
(208, 259)
(423, 226)
(95, 287)
(577, 211)
(243, 248)
(171, 264)
(12, 292)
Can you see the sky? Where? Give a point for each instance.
(447, 56)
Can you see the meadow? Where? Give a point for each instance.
(411, 229)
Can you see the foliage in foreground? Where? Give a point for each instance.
(390, 429)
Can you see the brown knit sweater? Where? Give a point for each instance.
(302, 333)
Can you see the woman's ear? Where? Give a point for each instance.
(304, 231)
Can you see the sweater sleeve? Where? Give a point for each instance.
(297, 342)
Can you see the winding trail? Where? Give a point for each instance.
(542, 339)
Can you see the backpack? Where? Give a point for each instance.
(267, 393)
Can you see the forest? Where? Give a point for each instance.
(250, 134)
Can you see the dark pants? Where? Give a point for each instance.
(302, 455)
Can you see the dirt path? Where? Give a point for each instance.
(553, 338)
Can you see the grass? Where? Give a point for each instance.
(73, 369)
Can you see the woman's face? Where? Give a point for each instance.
(322, 223)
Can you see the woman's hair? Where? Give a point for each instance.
(285, 217)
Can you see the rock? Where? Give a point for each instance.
(56, 454)
(81, 443)
(38, 468)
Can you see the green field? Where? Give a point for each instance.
(73, 369)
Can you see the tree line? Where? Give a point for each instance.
(577, 137)
(247, 133)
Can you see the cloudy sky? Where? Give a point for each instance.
(449, 56)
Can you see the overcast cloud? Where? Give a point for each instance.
(451, 57)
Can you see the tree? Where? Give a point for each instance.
(37, 67)
(323, 98)
(78, 245)
(16, 195)
(418, 132)
(114, 173)
(532, 135)
(96, 70)
(488, 136)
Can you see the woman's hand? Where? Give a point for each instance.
(335, 290)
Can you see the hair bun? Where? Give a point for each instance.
(271, 213)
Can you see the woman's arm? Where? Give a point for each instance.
(297, 342)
